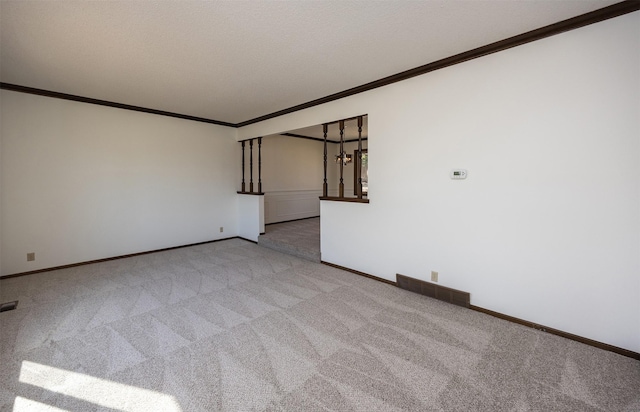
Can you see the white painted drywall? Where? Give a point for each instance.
(547, 225)
(292, 173)
(83, 182)
(290, 163)
(250, 216)
(291, 205)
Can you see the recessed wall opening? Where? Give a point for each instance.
(299, 168)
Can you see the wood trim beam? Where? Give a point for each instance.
(81, 99)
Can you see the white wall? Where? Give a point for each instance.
(547, 226)
(292, 174)
(291, 205)
(290, 163)
(83, 182)
(250, 216)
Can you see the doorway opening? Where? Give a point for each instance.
(296, 164)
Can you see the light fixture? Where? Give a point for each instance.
(344, 157)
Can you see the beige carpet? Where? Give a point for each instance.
(232, 326)
(299, 238)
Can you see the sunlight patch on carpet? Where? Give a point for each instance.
(90, 389)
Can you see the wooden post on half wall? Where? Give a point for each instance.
(251, 165)
(243, 187)
(358, 162)
(341, 187)
(259, 164)
(325, 186)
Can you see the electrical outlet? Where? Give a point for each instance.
(434, 276)
(221, 229)
(31, 257)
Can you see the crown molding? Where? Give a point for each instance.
(586, 19)
(75, 98)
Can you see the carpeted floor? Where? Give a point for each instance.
(298, 238)
(232, 326)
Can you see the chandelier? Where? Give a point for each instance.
(344, 157)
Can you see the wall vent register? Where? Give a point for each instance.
(4, 307)
(443, 293)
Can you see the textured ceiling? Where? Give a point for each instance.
(233, 61)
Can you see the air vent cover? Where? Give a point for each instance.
(432, 290)
(8, 306)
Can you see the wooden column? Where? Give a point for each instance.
(259, 164)
(358, 162)
(341, 187)
(243, 187)
(325, 186)
(251, 165)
